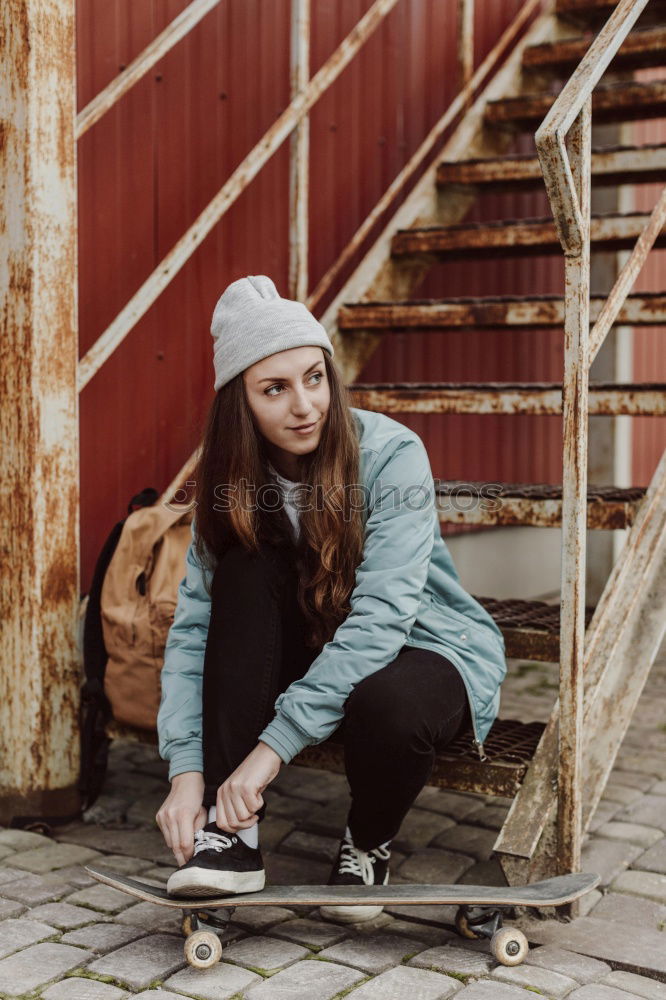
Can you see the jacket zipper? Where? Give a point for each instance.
(476, 741)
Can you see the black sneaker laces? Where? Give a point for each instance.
(355, 861)
(206, 840)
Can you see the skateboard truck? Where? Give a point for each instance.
(507, 944)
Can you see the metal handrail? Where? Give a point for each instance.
(568, 188)
(551, 134)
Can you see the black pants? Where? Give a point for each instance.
(395, 719)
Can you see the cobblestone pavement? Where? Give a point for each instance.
(66, 937)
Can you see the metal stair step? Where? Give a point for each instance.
(642, 47)
(613, 102)
(594, 13)
(611, 165)
(518, 237)
(531, 629)
(509, 747)
(510, 311)
(606, 398)
(534, 504)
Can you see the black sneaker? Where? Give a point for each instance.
(354, 866)
(222, 863)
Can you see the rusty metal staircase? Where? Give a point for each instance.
(605, 652)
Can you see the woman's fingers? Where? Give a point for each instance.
(232, 812)
(253, 800)
(159, 819)
(163, 822)
(181, 813)
(178, 831)
(236, 808)
(174, 836)
(226, 815)
(186, 836)
(245, 807)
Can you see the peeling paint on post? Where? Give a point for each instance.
(39, 526)
(574, 514)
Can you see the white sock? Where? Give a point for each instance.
(349, 837)
(249, 836)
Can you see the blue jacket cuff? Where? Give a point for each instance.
(284, 737)
(186, 758)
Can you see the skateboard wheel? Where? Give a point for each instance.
(203, 949)
(509, 946)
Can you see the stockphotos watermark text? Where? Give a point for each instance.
(462, 497)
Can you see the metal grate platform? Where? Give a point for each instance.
(509, 747)
(531, 629)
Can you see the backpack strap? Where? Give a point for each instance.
(95, 709)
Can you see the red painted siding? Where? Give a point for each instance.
(649, 356)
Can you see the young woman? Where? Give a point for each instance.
(319, 595)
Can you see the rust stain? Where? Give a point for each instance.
(38, 356)
(640, 48)
(469, 313)
(468, 397)
(521, 237)
(610, 103)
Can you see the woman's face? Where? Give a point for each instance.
(285, 391)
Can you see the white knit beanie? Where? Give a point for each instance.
(251, 321)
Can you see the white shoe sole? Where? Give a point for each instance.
(202, 882)
(349, 914)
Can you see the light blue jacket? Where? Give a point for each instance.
(407, 592)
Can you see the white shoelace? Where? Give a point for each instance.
(206, 840)
(357, 862)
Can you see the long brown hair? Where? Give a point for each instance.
(233, 457)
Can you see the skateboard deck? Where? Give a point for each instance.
(479, 912)
(550, 892)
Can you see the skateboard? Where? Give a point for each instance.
(479, 914)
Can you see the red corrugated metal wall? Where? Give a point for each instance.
(649, 355)
(154, 161)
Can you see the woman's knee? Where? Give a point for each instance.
(418, 700)
(378, 707)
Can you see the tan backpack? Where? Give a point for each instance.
(138, 601)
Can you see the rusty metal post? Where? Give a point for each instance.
(39, 522)
(299, 154)
(465, 46)
(574, 506)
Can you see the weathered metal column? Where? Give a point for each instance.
(299, 154)
(574, 508)
(465, 43)
(39, 481)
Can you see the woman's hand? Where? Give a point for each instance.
(182, 813)
(239, 798)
